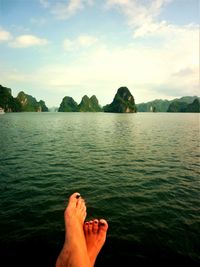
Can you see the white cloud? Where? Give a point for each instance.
(86, 40)
(83, 41)
(65, 9)
(168, 67)
(5, 35)
(142, 18)
(165, 71)
(24, 41)
(148, 72)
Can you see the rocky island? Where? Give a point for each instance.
(7, 102)
(68, 105)
(179, 106)
(22, 102)
(183, 104)
(89, 104)
(86, 105)
(123, 102)
(30, 104)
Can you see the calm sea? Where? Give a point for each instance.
(141, 172)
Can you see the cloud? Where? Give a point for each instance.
(163, 66)
(186, 72)
(83, 41)
(142, 18)
(65, 9)
(147, 71)
(24, 41)
(161, 71)
(5, 35)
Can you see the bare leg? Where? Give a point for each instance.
(95, 236)
(74, 252)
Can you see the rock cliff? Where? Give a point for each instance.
(123, 102)
(30, 104)
(68, 105)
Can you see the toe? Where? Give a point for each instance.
(95, 226)
(103, 226)
(74, 198)
(90, 226)
(80, 204)
(86, 227)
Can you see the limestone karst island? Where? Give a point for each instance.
(123, 102)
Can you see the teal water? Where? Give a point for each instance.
(141, 172)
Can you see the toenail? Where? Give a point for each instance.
(90, 222)
(77, 196)
(102, 224)
(95, 222)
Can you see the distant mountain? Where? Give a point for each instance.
(194, 106)
(89, 104)
(86, 105)
(42, 106)
(68, 105)
(30, 104)
(178, 106)
(123, 102)
(22, 102)
(156, 105)
(7, 101)
(160, 105)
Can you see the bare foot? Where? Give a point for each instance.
(74, 252)
(95, 236)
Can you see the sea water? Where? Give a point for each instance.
(141, 172)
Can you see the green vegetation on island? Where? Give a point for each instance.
(30, 104)
(176, 105)
(7, 101)
(68, 105)
(22, 102)
(194, 106)
(89, 104)
(86, 105)
(123, 102)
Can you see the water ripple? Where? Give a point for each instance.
(140, 172)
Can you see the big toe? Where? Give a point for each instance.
(74, 198)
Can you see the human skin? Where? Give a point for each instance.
(83, 241)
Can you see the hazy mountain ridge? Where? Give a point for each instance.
(123, 102)
(160, 105)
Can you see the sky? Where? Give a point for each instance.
(55, 48)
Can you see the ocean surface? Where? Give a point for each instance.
(141, 172)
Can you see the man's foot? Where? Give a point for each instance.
(74, 252)
(95, 236)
